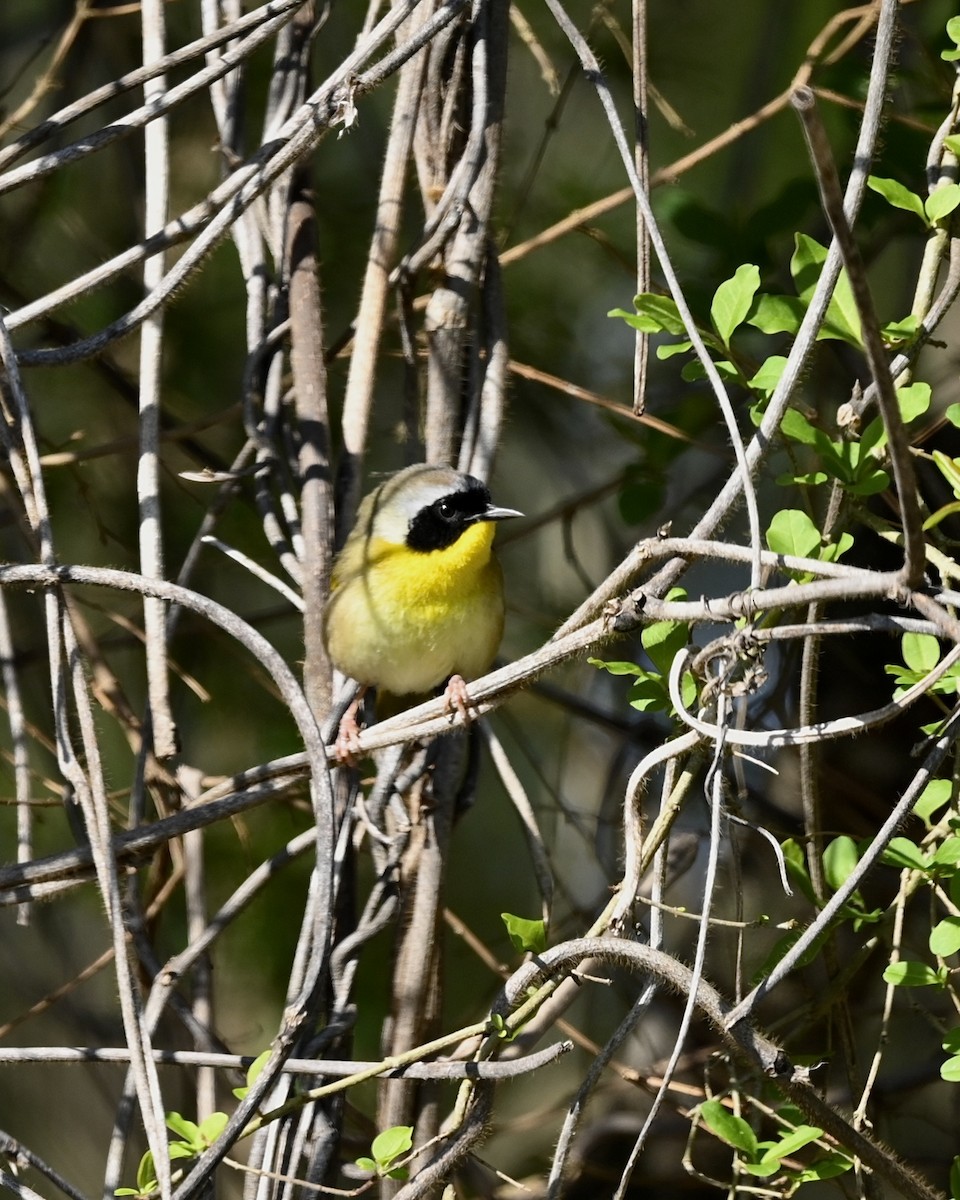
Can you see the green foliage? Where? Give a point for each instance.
(528, 936)
(793, 532)
(937, 207)
(662, 641)
(252, 1072)
(191, 1141)
(764, 1159)
(953, 33)
(921, 653)
(385, 1149)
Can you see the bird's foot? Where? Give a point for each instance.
(457, 700)
(347, 748)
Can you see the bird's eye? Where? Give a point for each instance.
(445, 509)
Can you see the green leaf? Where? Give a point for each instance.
(617, 668)
(391, 1144)
(762, 1169)
(914, 400)
(663, 641)
(672, 348)
(828, 1167)
(839, 859)
(806, 265)
(729, 1128)
(897, 333)
(189, 1131)
(650, 694)
(655, 314)
(950, 1071)
(253, 1071)
(777, 314)
(146, 1174)
(526, 934)
(733, 299)
(921, 651)
(934, 796)
(952, 413)
(899, 196)
(951, 1040)
(796, 427)
(945, 937)
(949, 469)
(842, 320)
(953, 33)
(903, 853)
(792, 532)
(793, 1141)
(212, 1127)
(911, 974)
(366, 1164)
(947, 854)
(694, 370)
(943, 201)
(766, 379)
(955, 1165)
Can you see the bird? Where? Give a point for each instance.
(416, 596)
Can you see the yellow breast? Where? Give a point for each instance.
(405, 621)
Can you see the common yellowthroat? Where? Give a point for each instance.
(417, 593)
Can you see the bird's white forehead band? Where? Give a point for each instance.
(398, 508)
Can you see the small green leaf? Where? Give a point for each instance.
(189, 1131)
(943, 201)
(953, 33)
(921, 651)
(839, 859)
(733, 299)
(945, 937)
(903, 853)
(670, 349)
(947, 854)
(391, 1144)
(525, 934)
(655, 314)
(663, 641)
(212, 1127)
(955, 1165)
(950, 1071)
(366, 1164)
(897, 333)
(253, 1072)
(949, 469)
(777, 314)
(617, 668)
(792, 532)
(766, 379)
(914, 400)
(793, 1141)
(729, 1128)
(694, 371)
(934, 796)
(951, 1040)
(952, 413)
(828, 1167)
(762, 1169)
(899, 196)
(146, 1174)
(911, 974)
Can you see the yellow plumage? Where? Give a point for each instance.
(417, 594)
